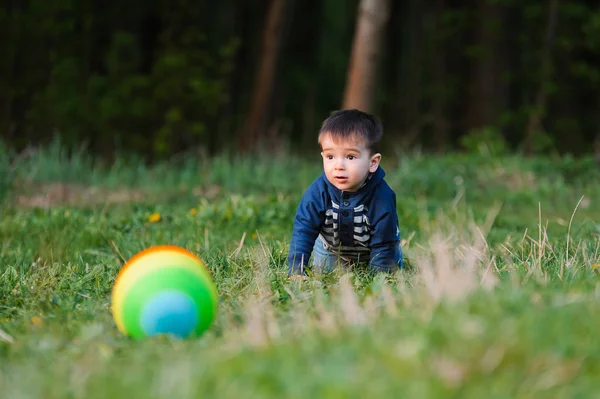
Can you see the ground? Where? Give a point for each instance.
(499, 298)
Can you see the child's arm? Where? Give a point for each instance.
(386, 254)
(307, 222)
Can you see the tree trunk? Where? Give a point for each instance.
(409, 88)
(255, 125)
(314, 34)
(597, 149)
(483, 100)
(232, 24)
(10, 60)
(596, 140)
(439, 99)
(366, 51)
(534, 126)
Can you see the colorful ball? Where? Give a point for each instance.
(164, 290)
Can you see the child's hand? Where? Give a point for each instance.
(297, 277)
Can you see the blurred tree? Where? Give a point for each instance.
(538, 109)
(486, 90)
(10, 28)
(406, 37)
(256, 125)
(439, 78)
(367, 46)
(168, 77)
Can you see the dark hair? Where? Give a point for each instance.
(353, 124)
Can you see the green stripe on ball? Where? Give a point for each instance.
(170, 278)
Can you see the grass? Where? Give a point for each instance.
(500, 299)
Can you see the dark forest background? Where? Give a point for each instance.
(159, 77)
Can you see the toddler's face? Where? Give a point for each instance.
(347, 163)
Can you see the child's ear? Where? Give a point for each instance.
(374, 164)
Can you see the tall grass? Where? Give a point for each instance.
(499, 298)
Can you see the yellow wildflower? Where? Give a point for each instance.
(155, 217)
(36, 321)
(595, 266)
(193, 211)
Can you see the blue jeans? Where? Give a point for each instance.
(324, 260)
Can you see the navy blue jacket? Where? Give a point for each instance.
(364, 222)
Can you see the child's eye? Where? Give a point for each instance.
(329, 156)
(351, 157)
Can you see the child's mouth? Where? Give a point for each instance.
(340, 179)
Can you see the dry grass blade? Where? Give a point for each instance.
(350, 307)
(567, 264)
(236, 252)
(451, 270)
(6, 338)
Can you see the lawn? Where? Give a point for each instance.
(500, 297)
